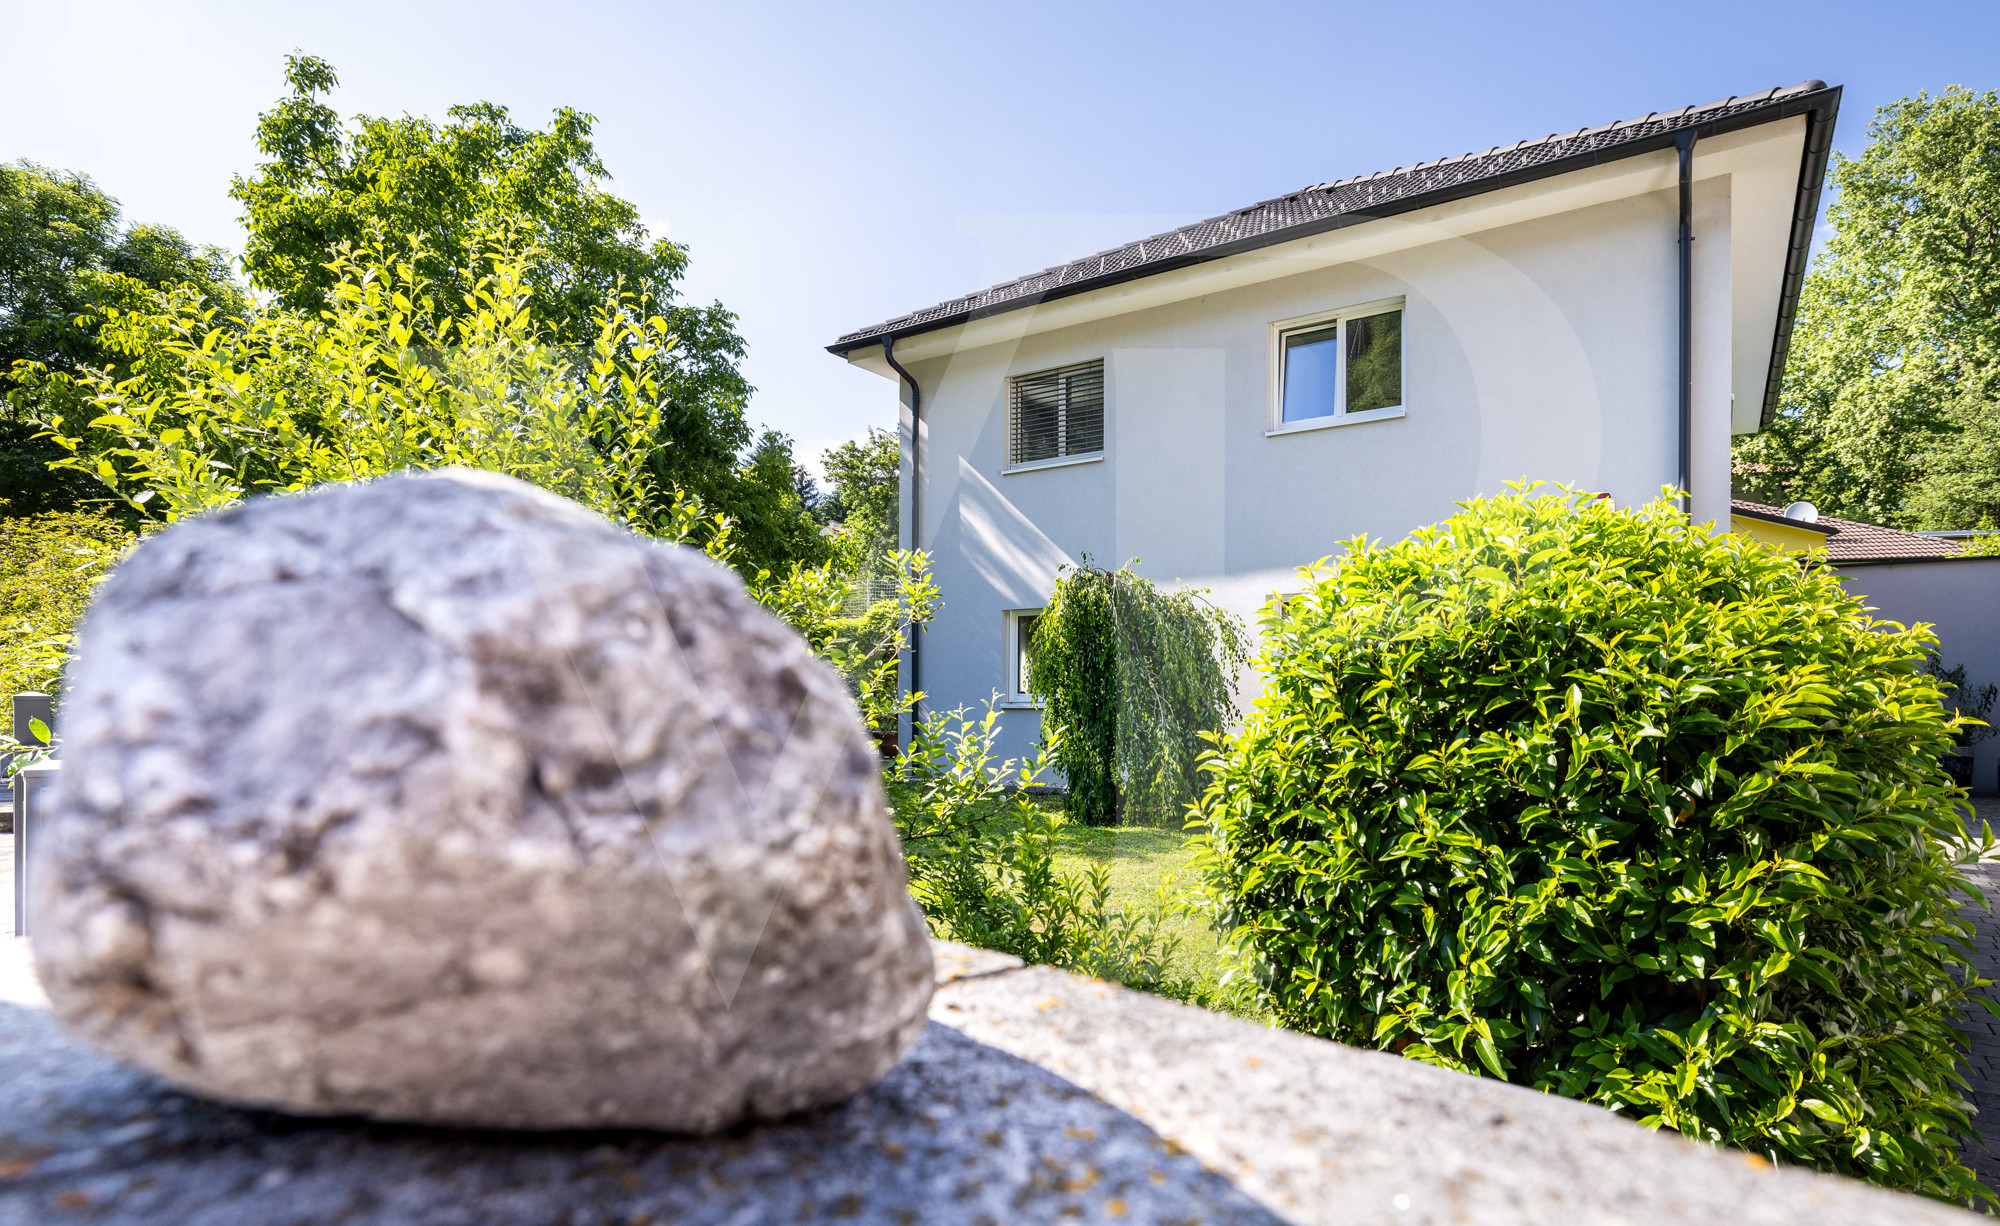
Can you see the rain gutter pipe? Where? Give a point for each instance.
(916, 521)
(1684, 143)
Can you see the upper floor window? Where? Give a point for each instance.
(1342, 366)
(1055, 414)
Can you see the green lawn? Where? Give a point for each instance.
(1138, 860)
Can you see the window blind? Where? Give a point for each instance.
(1055, 413)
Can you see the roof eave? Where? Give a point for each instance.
(1844, 563)
(1820, 107)
(1785, 520)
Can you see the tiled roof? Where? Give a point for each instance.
(1327, 206)
(1858, 542)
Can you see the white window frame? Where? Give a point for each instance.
(1276, 423)
(1016, 697)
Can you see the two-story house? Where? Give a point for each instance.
(1231, 400)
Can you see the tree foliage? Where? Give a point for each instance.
(439, 196)
(1132, 678)
(64, 255)
(1960, 487)
(864, 475)
(1899, 320)
(212, 412)
(1581, 799)
(49, 564)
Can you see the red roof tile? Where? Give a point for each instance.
(1858, 542)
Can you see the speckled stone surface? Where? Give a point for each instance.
(1033, 1096)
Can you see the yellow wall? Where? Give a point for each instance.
(1782, 537)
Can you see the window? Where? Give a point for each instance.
(1020, 633)
(1054, 415)
(1346, 366)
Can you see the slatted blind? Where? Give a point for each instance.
(1055, 413)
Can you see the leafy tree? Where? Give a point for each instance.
(49, 563)
(1132, 679)
(214, 411)
(1960, 487)
(438, 195)
(1900, 318)
(864, 474)
(1576, 798)
(63, 257)
(774, 524)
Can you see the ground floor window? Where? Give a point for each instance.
(1020, 630)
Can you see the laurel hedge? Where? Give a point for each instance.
(1583, 799)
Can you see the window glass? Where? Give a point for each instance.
(1375, 362)
(1024, 634)
(1312, 374)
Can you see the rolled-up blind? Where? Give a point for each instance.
(1055, 413)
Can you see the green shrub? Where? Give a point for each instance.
(48, 565)
(982, 856)
(1132, 678)
(1578, 798)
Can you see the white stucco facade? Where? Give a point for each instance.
(1540, 341)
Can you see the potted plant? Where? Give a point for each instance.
(1972, 706)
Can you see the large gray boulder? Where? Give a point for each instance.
(440, 799)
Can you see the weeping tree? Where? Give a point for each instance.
(1131, 677)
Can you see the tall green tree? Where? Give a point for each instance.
(863, 475)
(65, 256)
(1960, 487)
(437, 194)
(1900, 318)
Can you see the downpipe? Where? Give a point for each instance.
(916, 643)
(1684, 144)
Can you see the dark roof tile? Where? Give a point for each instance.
(1321, 206)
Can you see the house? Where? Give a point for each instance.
(1231, 400)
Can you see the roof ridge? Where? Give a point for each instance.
(1316, 205)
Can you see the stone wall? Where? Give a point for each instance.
(1034, 1096)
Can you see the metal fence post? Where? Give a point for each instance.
(30, 705)
(30, 785)
(31, 798)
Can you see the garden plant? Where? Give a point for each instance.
(1131, 679)
(1592, 801)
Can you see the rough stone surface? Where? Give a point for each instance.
(1035, 1096)
(1321, 1133)
(440, 799)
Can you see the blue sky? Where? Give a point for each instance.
(834, 165)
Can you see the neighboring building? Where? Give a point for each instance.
(1234, 399)
(1847, 542)
(1905, 577)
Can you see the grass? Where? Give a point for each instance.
(1138, 861)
